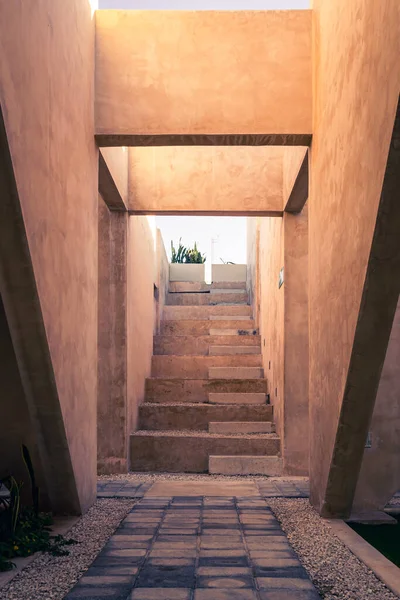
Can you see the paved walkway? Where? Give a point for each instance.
(197, 547)
(268, 488)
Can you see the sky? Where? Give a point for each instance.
(228, 233)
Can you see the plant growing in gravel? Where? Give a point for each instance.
(24, 531)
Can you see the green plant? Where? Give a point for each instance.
(186, 255)
(178, 255)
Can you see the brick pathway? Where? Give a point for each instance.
(197, 548)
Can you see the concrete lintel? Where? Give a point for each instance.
(383, 568)
(299, 194)
(222, 213)
(108, 187)
(25, 319)
(204, 139)
(377, 310)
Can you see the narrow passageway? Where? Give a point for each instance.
(197, 548)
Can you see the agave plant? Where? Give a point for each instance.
(195, 256)
(186, 255)
(178, 255)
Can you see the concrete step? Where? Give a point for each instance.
(205, 312)
(237, 397)
(197, 327)
(231, 297)
(202, 286)
(245, 465)
(236, 372)
(164, 390)
(225, 350)
(201, 345)
(227, 427)
(232, 318)
(237, 332)
(189, 451)
(198, 416)
(199, 366)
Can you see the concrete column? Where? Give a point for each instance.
(112, 434)
(295, 410)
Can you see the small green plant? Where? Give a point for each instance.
(186, 255)
(24, 531)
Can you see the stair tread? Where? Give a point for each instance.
(199, 433)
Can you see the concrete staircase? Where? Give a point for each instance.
(206, 402)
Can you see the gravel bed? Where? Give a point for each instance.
(197, 433)
(50, 577)
(335, 571)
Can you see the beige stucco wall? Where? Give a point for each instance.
(253, 265)
(46, 93)
(162, 267)
(205, 179)
(189, 72)
(117, 163)
(356, 86)
(292, 160)
(141, 311)
(380, 471)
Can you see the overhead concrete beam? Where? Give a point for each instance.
(25, 320)
(203, 77)
(378, 306)
(297, 177)
(203, 181)
(113, 177)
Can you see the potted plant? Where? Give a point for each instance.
(187, 264)
(228, 271)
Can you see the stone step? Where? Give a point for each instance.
(198, 416)
(199, 366)
(203, 327)
(236, 372)
(225, 350)
(164, 390)
(202, 286)
(237, 397)
(237, 332)
(245, 465)
(189, 299)
(227, 427)
(189, 451)
(231, 318)
(200, 345)
(205, 312)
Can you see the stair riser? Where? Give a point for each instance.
(198, 286)
(242, 465)
(201, 345)
(197, 327)
(159, 417)
(206, 299)
(236, 372)
(240, 426)
(197, 390)
(204, 312)
(173, 454)
(200, 366)
(225, 350)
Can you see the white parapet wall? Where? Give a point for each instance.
(186, 272)
(228, 273)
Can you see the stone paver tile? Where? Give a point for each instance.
(226, 553)
(225, 582)
(123, 552)
(170, 562)
(112, 570)
(224, 594)
(289, 595)
(100, 580)
(166, 576)
(223, 543)
(223, 571)
(277, 562)
(223, 561)
(173, 553)
(91, 592)
(282, 583)
(160, 594)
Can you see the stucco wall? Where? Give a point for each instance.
(141, 309)
(112, 410)
(190, 72)
(356, 86)
(46, 93)
(162, 283)
(253, 267)
(205, 178)
(380, 471)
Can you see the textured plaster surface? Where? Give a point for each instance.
(206, 72)
(356, 85)
(112, 426)
(141, 310)
(113, 177)
(46, 67)
(205, 179)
